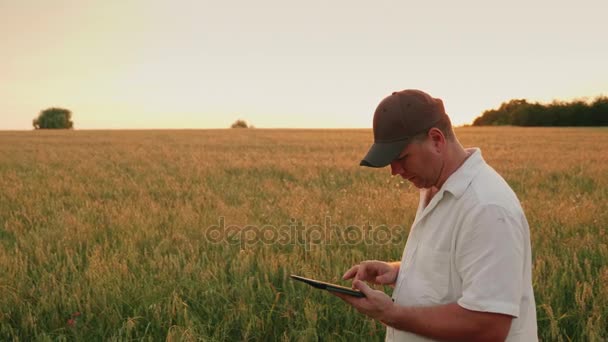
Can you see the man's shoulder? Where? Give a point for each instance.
(489, 188)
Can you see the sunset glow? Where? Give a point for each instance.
(204, 64)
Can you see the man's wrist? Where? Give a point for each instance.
(389, 316)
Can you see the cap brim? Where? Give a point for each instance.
(382, 154)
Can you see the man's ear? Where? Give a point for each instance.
(437, 138)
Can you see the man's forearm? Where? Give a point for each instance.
(448, 322)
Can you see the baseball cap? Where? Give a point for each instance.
(398, 118)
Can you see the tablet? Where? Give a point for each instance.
(329, 287)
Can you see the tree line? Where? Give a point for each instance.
(61, 118)
(517, 112)
(520, 112)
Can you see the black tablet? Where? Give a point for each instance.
(329, 287)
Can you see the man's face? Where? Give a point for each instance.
(419, 163)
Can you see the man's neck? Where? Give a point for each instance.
(455, 157)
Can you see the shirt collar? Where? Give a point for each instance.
(459, 181)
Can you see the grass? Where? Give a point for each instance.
(151, 235)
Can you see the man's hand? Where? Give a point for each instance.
(375, 304)
(375, 272)
(447, 322)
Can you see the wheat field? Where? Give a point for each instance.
(192, 235)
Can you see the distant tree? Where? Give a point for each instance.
(599, 110)
(54, 118)
(522, 113)
(240, 124)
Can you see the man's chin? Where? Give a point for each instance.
(415, 182)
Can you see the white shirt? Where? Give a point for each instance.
(471, 246)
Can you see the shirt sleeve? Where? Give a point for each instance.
(490, 260)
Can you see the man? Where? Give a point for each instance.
(465, 274)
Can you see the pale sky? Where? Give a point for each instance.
(302, 64)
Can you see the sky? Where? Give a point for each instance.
(140, 64)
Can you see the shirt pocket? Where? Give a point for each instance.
(433, 274)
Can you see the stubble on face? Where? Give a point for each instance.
(419, 164)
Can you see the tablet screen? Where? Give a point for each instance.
(329, 287)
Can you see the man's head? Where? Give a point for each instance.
(402, 118)
(412, 133)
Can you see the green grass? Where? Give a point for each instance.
(117, 226)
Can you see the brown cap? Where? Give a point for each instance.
(398, 118)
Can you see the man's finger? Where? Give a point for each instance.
(363, 287)
(344, 297)
(360, 273)
(351, 272)
(384, 278)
